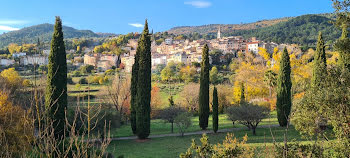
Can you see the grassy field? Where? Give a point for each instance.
(171, 147)
(160, 127)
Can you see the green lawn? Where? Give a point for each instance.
(160, 127)
(172, 146)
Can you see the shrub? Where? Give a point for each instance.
(183, 121)
(26, 83)
(76, 73)
(296, 150)
(87, 69)
(70, 80)
(83, 81)
(230, 147)
(111, 118)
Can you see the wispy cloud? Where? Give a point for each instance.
(13, 22)
(136, 24)
(8, 28)
(199, 4)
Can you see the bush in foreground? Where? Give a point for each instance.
(230, 147)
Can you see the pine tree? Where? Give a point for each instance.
(242, 94)
(320, 64)
(284, 85)
(143, 99)
(215, 110)
(133, 91)
(204, 89)
(56, 89)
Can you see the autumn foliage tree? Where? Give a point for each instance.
(156, 100)
(189, 97)
(16, 132)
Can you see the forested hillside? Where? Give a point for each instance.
(43, 32)
(301, 30)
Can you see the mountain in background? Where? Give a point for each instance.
(213, 28)
(302, 30)
(44, 33)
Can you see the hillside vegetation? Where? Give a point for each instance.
(213, 28)
(43, 32)
(301, 30)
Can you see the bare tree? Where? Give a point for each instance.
(118, 94)
(190, 97)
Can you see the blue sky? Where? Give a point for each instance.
(123, 16)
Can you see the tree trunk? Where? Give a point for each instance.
(254, 132)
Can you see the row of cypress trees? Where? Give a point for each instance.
(141, 87)
(204, 94)
(284, 83)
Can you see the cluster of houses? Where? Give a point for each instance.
(184, 51)
(187, 52)
(24, 59)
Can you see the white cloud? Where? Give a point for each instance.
(8, 28)
(199, 4)
(136, 24)
(12, 22)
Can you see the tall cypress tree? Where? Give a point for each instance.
(133, 91)
(319, 63)
(215, 110)
(284, 85)
(342, 46)
(56, 89)
(242, 94)
(204, 89)
(143, 100)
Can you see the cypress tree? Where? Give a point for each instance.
(143, 100)
(284, 85)
(133, 91)
(204, 89)
(342, 45)
(56, 89)
(319, 63)
(242, 94)
(215, 110)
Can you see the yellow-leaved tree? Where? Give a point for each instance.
(12, 76)
(265, 55)
(253, 78)
(16, 132)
